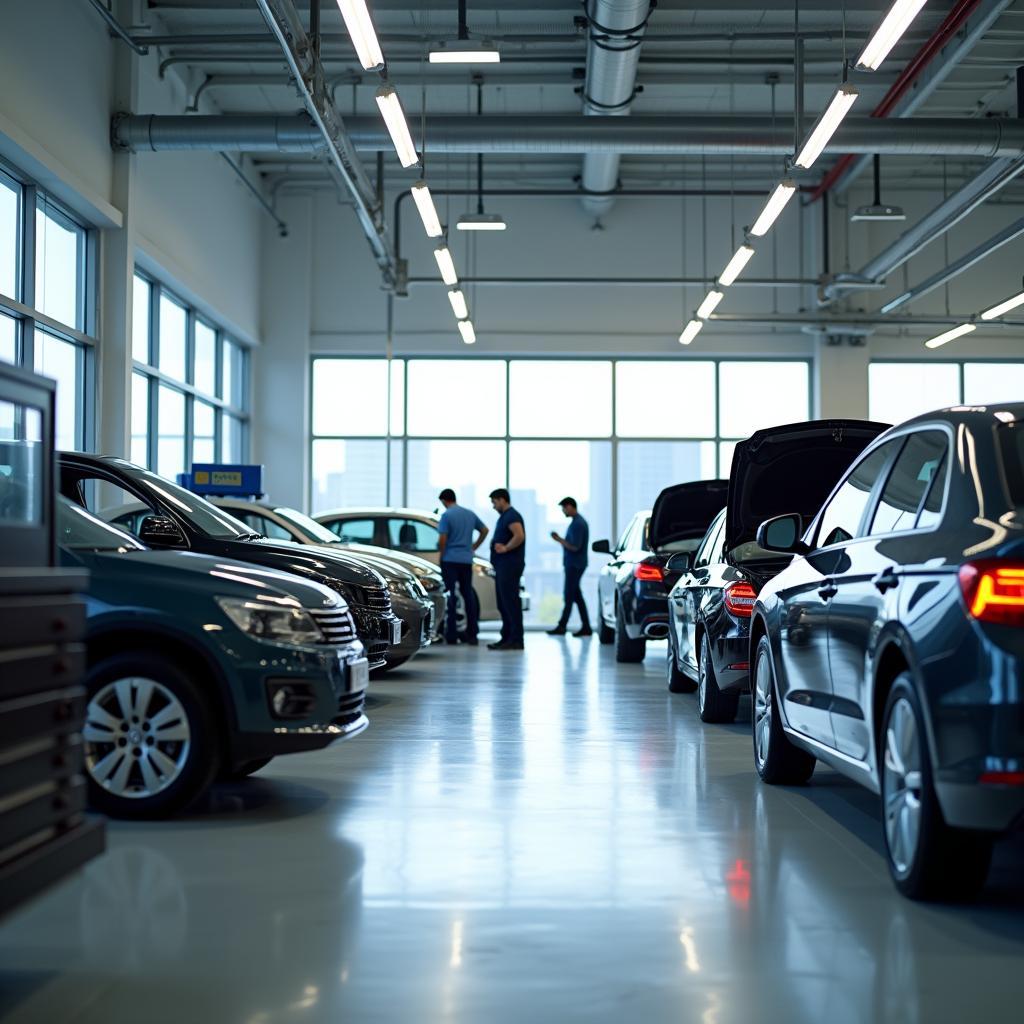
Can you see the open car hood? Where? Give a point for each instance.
(685, 511)
(792, 468)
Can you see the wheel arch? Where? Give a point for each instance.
(892, 657)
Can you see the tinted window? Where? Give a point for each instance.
(841, 518)
(76, 529)
(711, 541)
(261, 524)
(1011, 442)
(353, 531)
(913, 471)
(412, 535)
(931, 512)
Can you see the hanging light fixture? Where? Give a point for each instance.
(784, 191)
(428, 212)
(826, 125)
(465, 50)
(446, 265)
(735, 266)
(710, 303)
(480, 221)
(957, 332)
(458, 301)
(1003, 307)
(690, 331)
(361, 32)
(398, 127)
(888, 34)
(467, 331)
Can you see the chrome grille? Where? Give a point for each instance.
(376, 598)
(336, 624)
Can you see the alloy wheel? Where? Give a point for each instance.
(762, 710)
(137, 737)
(702, 681)
(901, 786)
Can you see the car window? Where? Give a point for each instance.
(353, 531)
(78, 530)
(913, 471)
(840, 520)
(412, 535)
(703, 556)
(261, 524)
(107, 501)
(621, 546)
(931, 509)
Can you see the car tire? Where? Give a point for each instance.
(776, 759)
(678, 682)
(627, 650)
(712, 704)
(150, 739)
(245, 769)
(928, 859)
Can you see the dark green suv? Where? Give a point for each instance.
(201, 667)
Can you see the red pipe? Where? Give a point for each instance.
(949, 27)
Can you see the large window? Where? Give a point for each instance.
(189, 386)
(609, 433)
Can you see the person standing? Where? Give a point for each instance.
(574, 561)
(455, 539)
(508, 556)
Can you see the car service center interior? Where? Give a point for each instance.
(511, 511)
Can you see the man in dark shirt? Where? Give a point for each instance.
(508, 556)
(574, 560)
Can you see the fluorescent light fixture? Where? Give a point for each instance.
(467, 332)
(826, 125)
(957, 332)
(428, 212)
(458, 301)
(465, 51)
(446, 265)
(888, 33)
(878, 212)
(711, 301)
(784, 191)
(1003, 307)
(398, 128)
(480, 222)
(690, 331)
(360, 31)
(735, 266)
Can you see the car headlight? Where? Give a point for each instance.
(272, 622)
(430, 583)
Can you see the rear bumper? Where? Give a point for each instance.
(730, 654)
(645, 609)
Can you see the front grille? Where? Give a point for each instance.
(376, 652)
(376, 598)
(336, 624)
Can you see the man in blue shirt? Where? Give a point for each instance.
(455, 538)
(508, 556)
(574, 560)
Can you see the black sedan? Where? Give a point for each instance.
(632, 589)
(179, 519)
(892, 646)
(786, 467)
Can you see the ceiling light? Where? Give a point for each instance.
(360, 30)
(735, 266)
(446, 265)
(711, 300)
(784, 191)
(480, 222)
(826, 125)
(1003, 307)
(428, 212)
(465, 51)
(458, 301)
(878, 212)
(398, 128)
(957, 332)
(888, 34)
(467, 332)
(690, 331)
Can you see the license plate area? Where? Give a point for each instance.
(396, 632)
(358, 675)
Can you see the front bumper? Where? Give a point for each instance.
(417, 627)
(378, 632)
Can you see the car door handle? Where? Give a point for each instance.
(886, 580)
(828, 591)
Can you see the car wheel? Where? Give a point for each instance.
(678, 682)
(246, 768)
(150, 739)
(928, 860)
(627, 650)
(776, 759)
(712, 704)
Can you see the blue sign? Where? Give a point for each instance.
(224, 480)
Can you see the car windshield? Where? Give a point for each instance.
(77, 530)
(310, 528)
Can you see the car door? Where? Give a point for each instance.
(867, 588)
(606, 580)
(687, 595)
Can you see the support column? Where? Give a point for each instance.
(841, 381)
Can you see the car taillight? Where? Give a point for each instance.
(994, 591)
(1002, 778)
(649, 572)
(740, 598)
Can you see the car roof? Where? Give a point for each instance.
(378, 510)
(969, 415)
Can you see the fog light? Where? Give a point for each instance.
(279, 702)
(290, 699)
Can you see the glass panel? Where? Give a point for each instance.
(232, 448)
(10, 238)
(841, 519)
(60, 258)
(233, 386)
(261, 524)
(8, 339)
(917, 463)
(397, 396)
(898, 391)
(205, 375)
(141, 289)
(541, 473)
(991, 383)
(62, 360)
(665, 399)
(204, 441)
(479, 410)
(762, 394)
(350, 396)
(172, 338)
(354, 531)
(412, 535)
(471, 468)
(140, 420)
(725, 453)
(931, 514)
(349, 473)
(170, 444)
(21, 463)
(560, 399)
(646, 468)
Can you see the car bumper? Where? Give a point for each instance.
(645, 612)
(730, 655)
(377, 631)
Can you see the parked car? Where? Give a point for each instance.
(178, 519)
(200, 666)
(710, 605)
(892, 648)
(632, 588)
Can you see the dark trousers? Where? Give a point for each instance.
(574, 596)
(460, 574)
(510, 605)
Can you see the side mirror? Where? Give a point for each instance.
(680, 562)
(783, 534)
(161, 532)
(601, 547)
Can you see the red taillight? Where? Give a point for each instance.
(649, 572)
(994, 591)
(1002, 779)
(740, 598)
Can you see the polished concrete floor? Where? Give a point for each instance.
(538, 836)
